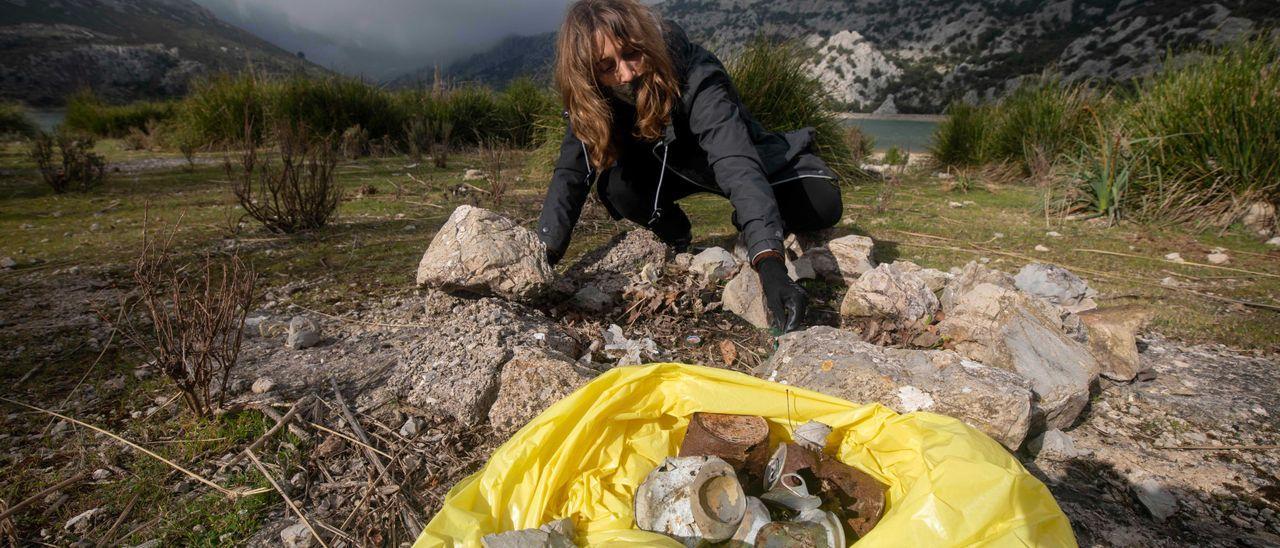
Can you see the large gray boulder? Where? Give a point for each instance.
(838, 363)
(1056, 285)
(1010, 330)
(970, 276)
(482, 252)
(530, 382)
(891, 293)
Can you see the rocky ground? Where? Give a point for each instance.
(401, 385)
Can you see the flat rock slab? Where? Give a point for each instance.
(843, 259)
(1056, 285)
(836, 362)
(482, 252)
(1020, 333)
(454, 364)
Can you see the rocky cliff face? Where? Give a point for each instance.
(923, 54)
(123, 50)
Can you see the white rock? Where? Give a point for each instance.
(744, 296)
(480, 251)
(1219, 258)
(1053, 234)
(1175, 257)
(714, 264)
(262, 385)
(473, 175)
(82, 521)
(912, 399)
(954, 204)
(8, 262)
(101, 474)
(1274, 241)
(1042, 248)
(303, 333)
(843, 259)
(296, 536)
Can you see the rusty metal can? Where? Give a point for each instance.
(693, 499)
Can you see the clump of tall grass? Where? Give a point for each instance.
(89, 114)
(523, 105)
(14, 121)
(1041, 120)
(962, 139)
(1214, 123)
(219, 108)
(783, 95)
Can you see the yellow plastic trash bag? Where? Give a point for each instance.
(584, 457)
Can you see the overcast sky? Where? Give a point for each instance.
(381, 38)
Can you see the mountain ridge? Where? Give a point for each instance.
(921, 55)
(123, 49)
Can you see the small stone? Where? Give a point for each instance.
(7, 263)
(1053, 234)
(1174, 257)
(472, 175)
(1274, 241)
(303, 333)
(1042, 248)
(591, 298)
(744, 296)
(1219, 258)
(410, 428)
(262, 385)
(82, 521)
(296, 536)
(1155, 498)
(715, 264)
(95, 227)
(59, 428)
(955, 204)
(801, 269)
(1055, 445)
(101, 474)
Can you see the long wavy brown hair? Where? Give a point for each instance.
(631, 25)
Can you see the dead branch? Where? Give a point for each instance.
(287, 500)
(232, 494)
(43, 493)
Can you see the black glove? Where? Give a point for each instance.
(554, 255)
(786, 299)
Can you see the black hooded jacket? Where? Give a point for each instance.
(711, 141)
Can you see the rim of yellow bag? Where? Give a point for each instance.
(584, 457)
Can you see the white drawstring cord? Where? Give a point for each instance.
(657, 212)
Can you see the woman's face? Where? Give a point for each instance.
(615, 65)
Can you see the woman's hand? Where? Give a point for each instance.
(787, 301)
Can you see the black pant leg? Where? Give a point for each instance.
(808, 204)
(627, 191)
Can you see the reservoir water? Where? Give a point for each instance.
(912, 134)
(47, 119)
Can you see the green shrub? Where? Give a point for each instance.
(1105, 170)
(14, 121)
(88, 114)
(962, 140)
(473, 113)
(895, 156)
(1214, 123)
(780, 92)
(329, 106)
